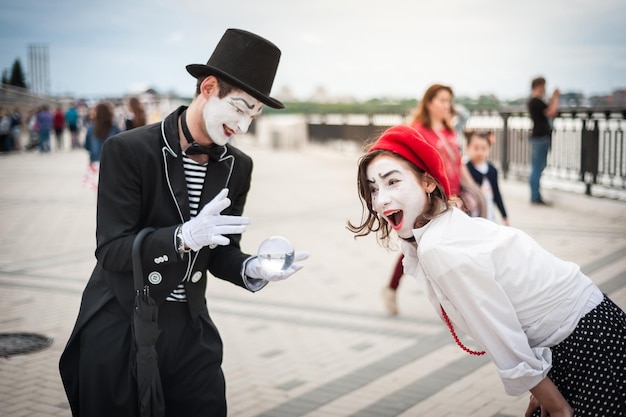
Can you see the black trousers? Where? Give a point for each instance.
(190, 357)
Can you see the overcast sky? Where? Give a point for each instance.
(360, 48)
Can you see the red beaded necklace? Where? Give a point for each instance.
(456, 338)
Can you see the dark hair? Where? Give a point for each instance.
(139, 113)
(422, 115)
(370, 222)
(471, 133)
(102, 121)
(537, 82)
(224, 87)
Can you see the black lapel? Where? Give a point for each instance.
(217, 176)
(172, 158)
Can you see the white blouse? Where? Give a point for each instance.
(500, 287)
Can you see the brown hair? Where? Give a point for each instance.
(471, 133)
(370, 222)
(224, 87)
(537, 82)
(103, 120)
(421, 114)
(139, 113)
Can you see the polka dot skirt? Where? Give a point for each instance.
(589, 367)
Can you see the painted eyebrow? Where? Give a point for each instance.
(393, 171)
(248, 105)
(383, 176)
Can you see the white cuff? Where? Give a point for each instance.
(253, 284)
(523, 377)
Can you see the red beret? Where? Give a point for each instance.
(408, 143)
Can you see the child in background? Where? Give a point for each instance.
(483, 172)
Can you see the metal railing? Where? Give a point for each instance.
(587, 143)
(587, 146)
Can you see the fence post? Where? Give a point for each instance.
(589, 153)
(504, 149)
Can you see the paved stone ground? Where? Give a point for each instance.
(316, 345)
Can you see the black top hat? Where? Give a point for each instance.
(245, 60)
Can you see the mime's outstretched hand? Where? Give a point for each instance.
(256, 269)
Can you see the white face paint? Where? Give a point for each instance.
(229, 116)
(397, 194)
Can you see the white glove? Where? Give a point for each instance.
(208, 227)
(254, 269)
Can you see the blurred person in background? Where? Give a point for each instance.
(16, 128)
(483, 172)
(33, 129)
(58, 123)
(541, 114)
(6, 140)
(137, 116)
(72, 119)
(99, 130)
(44, 125)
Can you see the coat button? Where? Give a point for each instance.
(196, 276)
(155, 278)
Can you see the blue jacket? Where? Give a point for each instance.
(94, 145)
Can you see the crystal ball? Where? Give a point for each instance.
(276, 253)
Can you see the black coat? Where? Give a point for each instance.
(142, 184)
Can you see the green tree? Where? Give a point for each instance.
(5, 77)
(17, 75)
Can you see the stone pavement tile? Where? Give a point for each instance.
(612, 276)
(619, 297)
(479, 391)
(19, 401)
(34, 377)
(244, 407)
(334, 409)
(43, 408)
(20, 412)
(377, 389)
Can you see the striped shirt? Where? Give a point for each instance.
(195, 174)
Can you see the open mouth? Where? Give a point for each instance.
(228, 131)
(395, 218)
